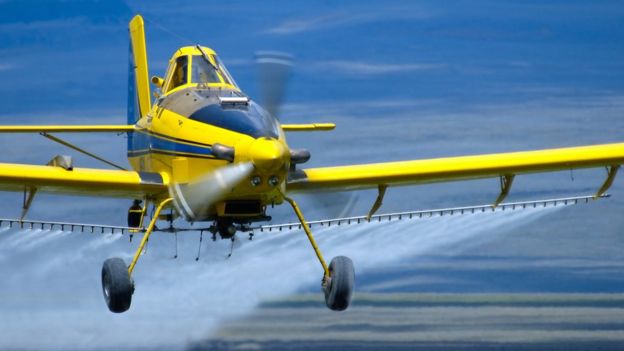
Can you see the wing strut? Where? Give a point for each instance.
(71, 146)
(29, 195)
(505, 183)
(611, 173)
(378, 201)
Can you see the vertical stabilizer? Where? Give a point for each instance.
(138, 79)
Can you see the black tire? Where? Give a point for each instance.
(339, 289)
(117, 285)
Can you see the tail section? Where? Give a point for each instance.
(138, 74)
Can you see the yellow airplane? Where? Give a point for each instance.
(204, 151)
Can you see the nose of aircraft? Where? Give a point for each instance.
(267, 154)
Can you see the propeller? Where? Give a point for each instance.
(274, 69)
(194, 199)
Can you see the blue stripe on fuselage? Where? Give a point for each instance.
(143, 141)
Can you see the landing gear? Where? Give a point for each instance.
(339, 287)
(226, 228)
(117, 285)
(338, 278)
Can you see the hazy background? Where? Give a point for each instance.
(402, 80)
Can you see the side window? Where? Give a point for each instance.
(224, 72)
(180, 73)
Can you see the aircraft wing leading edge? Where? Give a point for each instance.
(82, 181)
(448, 169)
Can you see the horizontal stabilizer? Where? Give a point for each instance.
(312, 127)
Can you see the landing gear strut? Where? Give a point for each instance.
(338, 278)
(117, 283)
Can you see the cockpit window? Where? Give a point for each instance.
(223, 71)
(203, 72)
(180, 73)
(213, 72)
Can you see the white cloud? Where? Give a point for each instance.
(6, 67)
(366, 68)
(321, 22)
(238, 62)
(339, 19)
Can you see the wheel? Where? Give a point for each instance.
(339, 288)
(117, 285)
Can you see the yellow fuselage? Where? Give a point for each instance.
(177, 137)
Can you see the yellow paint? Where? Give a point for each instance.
(459, 168)
(308, 231)
(193, 53)
(147, 234)
(141, 71)
(267, 155)
(271, 157)
(308, 127)
(79, 181)
(180, 169)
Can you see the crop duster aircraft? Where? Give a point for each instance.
(206, 152)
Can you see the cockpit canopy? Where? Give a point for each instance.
(194, 65)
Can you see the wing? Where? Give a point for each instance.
(79, 181)
(458, 168)
(82, 181)
(68, 129)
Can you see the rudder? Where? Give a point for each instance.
(138, 74)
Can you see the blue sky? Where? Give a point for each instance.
(460, 51)
(402, 79)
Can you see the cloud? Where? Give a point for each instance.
(48, 25)
(238, 62)
(293, 26)
(365, 68)
(6, 67)
(339, 19)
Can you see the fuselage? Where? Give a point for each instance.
(189, 120)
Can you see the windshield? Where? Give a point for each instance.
(203, 72)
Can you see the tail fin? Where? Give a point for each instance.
(138, 74)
